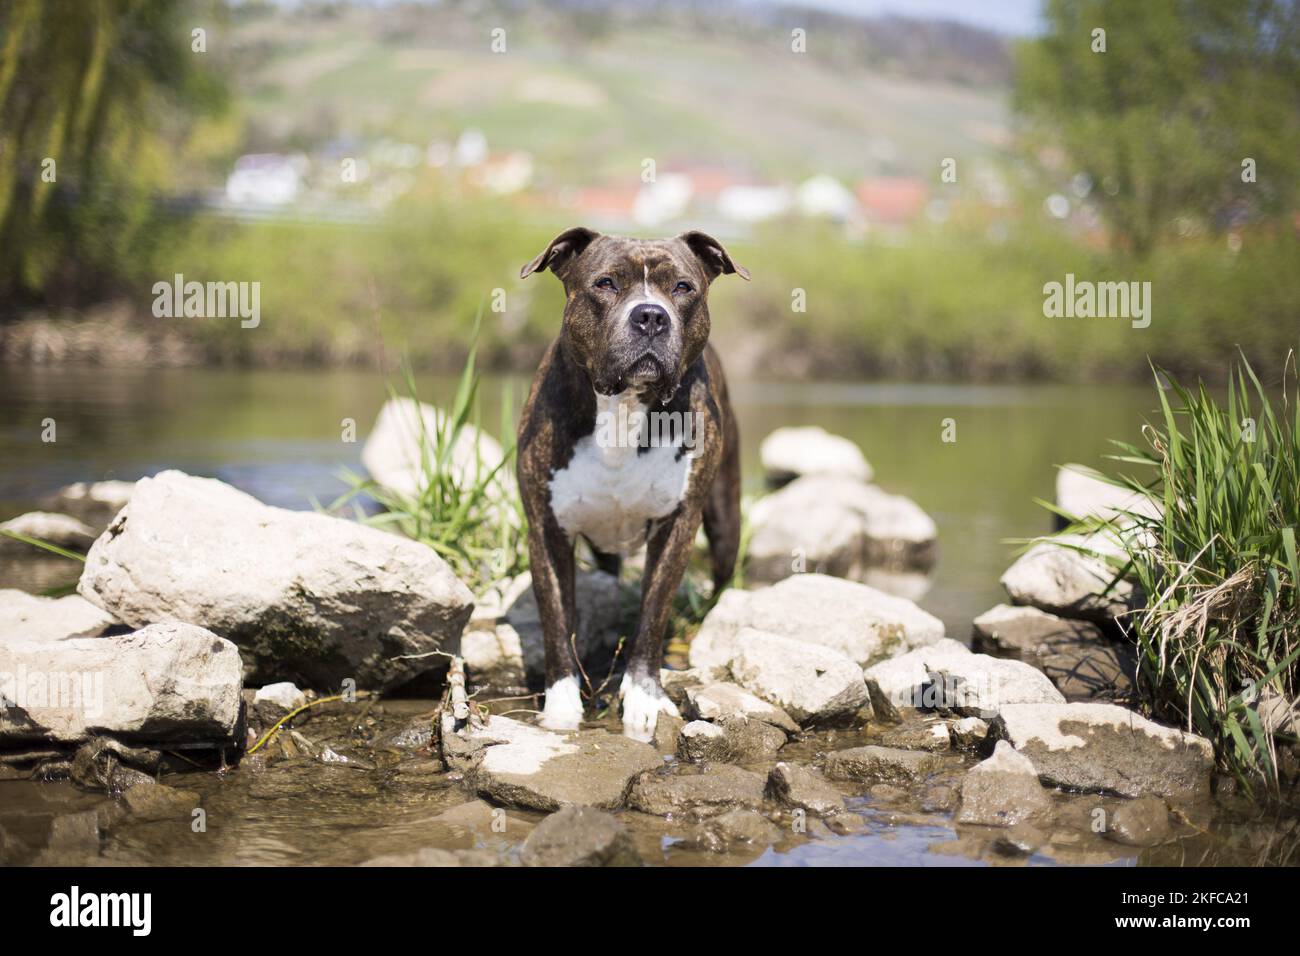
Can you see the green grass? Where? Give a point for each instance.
(1219, 639)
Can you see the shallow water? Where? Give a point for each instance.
(280, 436)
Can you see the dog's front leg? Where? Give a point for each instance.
(551, 557)
(667, 553)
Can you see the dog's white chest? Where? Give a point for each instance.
(613, 492)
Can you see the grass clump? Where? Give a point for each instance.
(1219, 637)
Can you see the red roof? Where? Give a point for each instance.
(892, 198)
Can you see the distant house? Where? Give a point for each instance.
(663, 200)
(266, 179)
(503, 173)
(751, 204)
(825, 197)
(602, 204)
(892, 200)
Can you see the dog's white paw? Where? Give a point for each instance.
(563, 708)
(643, 702)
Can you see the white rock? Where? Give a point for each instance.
(28, 617)
(790, 452)
(838, 526)
(62, 530)
(812, 683)
(1107, 748)
(166, 682)
(1081, 492)
(948, 676)
(853, 619)
(718, 699)
(1055, 575)
(284, 695)
(305, 595)
(406, 430)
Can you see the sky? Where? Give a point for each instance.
(1014, 17)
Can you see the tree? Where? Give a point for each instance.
(1185, 92)
(93, 96)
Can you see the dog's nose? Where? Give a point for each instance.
(649, 320)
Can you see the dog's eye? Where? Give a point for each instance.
(605, 282)
(683, 286)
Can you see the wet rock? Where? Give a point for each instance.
(939, 798)
(1143, 821)
(406, 431)
(697, 791)
(718, 699)
(1081, 493)
(852, 619)
(274, 701)
(881, 764)
(730, 740)
(111, 766)
(1020, 840)
(1069, 575)
(579, 836)
(506, 650)
(887, 793)
(305, 595)
(790, 452)
(918, 734)
(94, 503)
(166, 682)
(732, 828)
(797, 787)
(948, 677)
(73, 839)
(968, 733)
(61, 530)
(836, 526)
(27, 617)
(521, 765)
(1075, 655)
(160, 802)
(845, 824)
(1003, 791)
(811, 683)
(667, 733)
(1106, 748)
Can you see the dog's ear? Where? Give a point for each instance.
(562, 250)
(717, 261)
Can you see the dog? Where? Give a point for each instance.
(632, 362)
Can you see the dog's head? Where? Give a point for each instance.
(636, 312)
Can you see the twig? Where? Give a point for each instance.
(294, 713)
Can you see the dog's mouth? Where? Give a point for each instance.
(644, 371)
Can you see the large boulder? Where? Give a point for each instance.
(96, 503)
(579, 836)
(852, 619)
(947, 677)
(813, 684)
(166, 683)
(28, 617)
(503, 645)
(1105, 748)
(405, 435)
(521, 765)
(1069, 575)
(838, 526)
(693, 791)
(874, 764)
(790, 452)
(1075, 655)
(307, 597)
(1003, 791)
(64, 531)
(1082, 493)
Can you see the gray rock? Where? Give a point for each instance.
(732, 739)
(1143, 821)
(94, 503)
(30, 618)
(520, 765)
(1075, 655)
(668, 730)
(796, 787)
(1070, 576)
(718, 699)
(881, 764)
(967, 733)
(676, 683)
(918, 734)
(305, 595)
(836, 526)
(64, 531)
(948, 677)
(789, 452)
(701, 741)
(733, 828)
(1081, 493)
(161, 802)
(579, 836)
(811, 683)
(853, 619)
(1003, 791)
(1105, 748)
(167, 682)
(697, 791)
